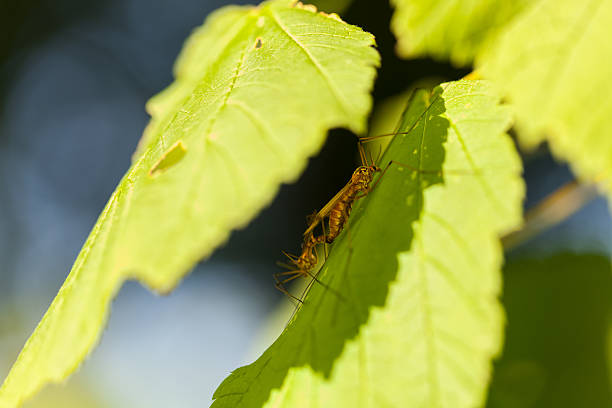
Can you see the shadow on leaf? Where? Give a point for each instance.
(362, 263)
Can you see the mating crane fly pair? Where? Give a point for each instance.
(337, 212)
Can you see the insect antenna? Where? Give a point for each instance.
(362, 154)
(379, 155)
(372, 163)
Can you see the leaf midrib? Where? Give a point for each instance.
(332, 86)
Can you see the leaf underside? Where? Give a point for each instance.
(452, 30)
(550, 58)
(554, 65)
(413, 318)
(221, 139)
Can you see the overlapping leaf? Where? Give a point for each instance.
(559, 313)
(256, 90)
(554, 65)
(412, 318)
(452, 30)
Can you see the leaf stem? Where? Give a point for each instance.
(552, 210)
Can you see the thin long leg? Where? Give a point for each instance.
(306, 289)
(362, 194)
(366, 139)
(437, 172)
(324, 230)
(290, 256)
(379, 155)
(381, 176)
(348, 227)
(326, 286)
(463, 172)
(299, 272)
(279, 283)
(325, 239)
(285, 265)
(302, 296)
(364, 156)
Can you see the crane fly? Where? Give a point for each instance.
(337, 212)
(301, 266)
(338, 209)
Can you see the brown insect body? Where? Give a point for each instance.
(337, 212)
(308, 258)
(357, 187)
(339, 208)
(301, 265)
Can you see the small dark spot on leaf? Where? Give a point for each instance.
(258, 43)
(172, 156)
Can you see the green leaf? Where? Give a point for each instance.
(332, 6)
(256, 90)
(389, 111)
(554, 66)
(559, 316)
(452, 30)
(411, 318)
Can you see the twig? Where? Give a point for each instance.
(552, 210)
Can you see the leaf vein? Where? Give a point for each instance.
(456, 236)
(477, 171)
(332, 86)
(454, 283)
(263, 127)
(424, 292)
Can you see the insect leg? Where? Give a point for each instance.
(292, 257)
(280, 283)
(326, 286)
(325, 239)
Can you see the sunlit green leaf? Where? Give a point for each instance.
(452, 30)
(554, 66)
(256, 90)
(559, 313)
(411, 317)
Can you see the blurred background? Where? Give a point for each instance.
(74, 80)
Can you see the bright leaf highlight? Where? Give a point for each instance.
(454, 30)
(553, 63)
(256, 90)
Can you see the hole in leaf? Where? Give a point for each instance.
(172, 156)
(258, 43)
